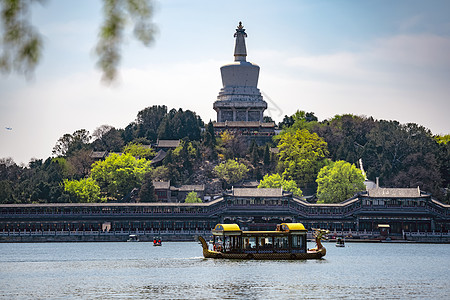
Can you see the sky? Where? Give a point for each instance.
(385, 59)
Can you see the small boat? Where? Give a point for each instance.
(287, 242)
(133, 238)
(157, 242)
(340, 242)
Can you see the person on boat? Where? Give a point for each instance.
(154, 241)
(159, 241)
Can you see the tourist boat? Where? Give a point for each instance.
(340, 242)
(157, 242)
(288, 241)
(133, 238)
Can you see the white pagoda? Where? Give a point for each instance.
(240, 99)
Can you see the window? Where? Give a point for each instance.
(281, 242)
(297, 241)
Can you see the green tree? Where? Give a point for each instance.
(338, 182)
(80, 163)
(84, 190)
(302, 154)
(70, 143)
(179, 124)
(266, 155)
(299, 120)
(6, 192)
(276, 181)
(192, 198)
(347, 137)
(22, 44)
(231, 146)
(147, 190)
(443, 139)
(139, 150)
(148, 121)
(42, 181)
(231, 171)
(107, 138)
(210, 142)
(161, 173)
(119, 174)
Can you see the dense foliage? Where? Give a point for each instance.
(401, 155)
(119, 174)
(192, 198)
(83, 190)
(276, 181)
(338, 182)
(302, 154)
(231, 171)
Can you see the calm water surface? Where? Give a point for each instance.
(178, 271)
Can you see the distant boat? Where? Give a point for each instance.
(133, 238)
(340, 242)
(8, 128)
(157, 242)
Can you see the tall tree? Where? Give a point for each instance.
(149, 120)
(231, 171)
(302, 154)
(338, 182)
(180, 124)
(70, 143)
(119, 174)
(147, 190)
(108, 138)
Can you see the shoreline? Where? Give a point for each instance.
(66, 237)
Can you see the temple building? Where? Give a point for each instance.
(240, 105)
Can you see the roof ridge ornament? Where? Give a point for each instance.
(240, 51)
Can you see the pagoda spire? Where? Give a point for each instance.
(240, 51)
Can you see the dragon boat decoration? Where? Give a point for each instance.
(288, 241)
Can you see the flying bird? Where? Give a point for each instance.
(8, 128)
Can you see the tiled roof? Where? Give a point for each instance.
(159, 156)
(188, 188)
(98, 154)
(257, 192)
(250, 184)
(161, 185)
(167, 143)
(394, 192)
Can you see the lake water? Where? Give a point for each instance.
(178, 271)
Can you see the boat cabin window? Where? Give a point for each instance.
(281, 242)
(297, 241)
(265, 242)
(250, 242)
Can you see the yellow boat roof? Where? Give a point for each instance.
(292, 226)
(227, 227)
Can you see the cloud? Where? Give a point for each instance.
(44, 111)
(403, 77)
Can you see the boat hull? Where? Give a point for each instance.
(311, 254)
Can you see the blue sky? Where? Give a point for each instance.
(386, 59)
